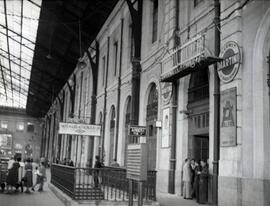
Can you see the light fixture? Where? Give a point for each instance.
(81, 63)
(49, 56)
(186, 112)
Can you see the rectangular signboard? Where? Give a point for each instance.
(79, 129)
(228, 119)
(138, 131)
(137, 162)
(165, 141)
(5, 141)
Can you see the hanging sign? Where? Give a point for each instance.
(185, 58)
(139, 131)
(79, 129)
(228, 118)
(229, 66)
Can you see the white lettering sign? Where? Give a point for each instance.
(79, 129)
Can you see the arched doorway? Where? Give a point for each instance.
(198, 106)
(151, 117)
(127, 122)
(112, 134)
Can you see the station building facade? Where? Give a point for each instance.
(204, 94)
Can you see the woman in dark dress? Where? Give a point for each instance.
(203, 184)
(13, 174)
(28, 177)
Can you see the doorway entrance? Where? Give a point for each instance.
(200, 147)
(198, 121)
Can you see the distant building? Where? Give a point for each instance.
(20, 134)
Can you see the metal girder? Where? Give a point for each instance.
(32, 80)
(34, 96)
(21, 40)
(34, 3)
(17, 41)
(43, 71)
(8, 29)
(42, 47)
(2, 71)
(5, 8)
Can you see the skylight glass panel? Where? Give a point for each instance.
(18, 30)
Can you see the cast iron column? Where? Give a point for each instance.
(173, 140)
(216, 104)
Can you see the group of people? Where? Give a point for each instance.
(195, 179)
(65, 161)
(20, 175)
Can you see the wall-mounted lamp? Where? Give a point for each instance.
(186, 112)
(81, 64)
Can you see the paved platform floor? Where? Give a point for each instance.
(174, 200)
(45, 198)
(48, 198)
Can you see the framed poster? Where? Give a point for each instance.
(165, 141)
(228, 121)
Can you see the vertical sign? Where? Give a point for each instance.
(165, 128)
(137, 162)
(228, 118)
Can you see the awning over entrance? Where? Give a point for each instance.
(182, 70)
(187, 58)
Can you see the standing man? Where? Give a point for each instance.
(97, 166)
(187, 179)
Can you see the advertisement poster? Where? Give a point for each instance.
(228, 118)
(165, 128)
(5, 141)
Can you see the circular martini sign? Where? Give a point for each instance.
(229, 66)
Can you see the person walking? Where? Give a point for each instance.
(40, 177)
(13, 175)
(28, 175)
(187, 180)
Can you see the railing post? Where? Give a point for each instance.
(130, 195)
(74, 183)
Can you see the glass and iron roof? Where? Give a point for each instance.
(18, 30)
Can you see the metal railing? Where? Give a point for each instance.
(106, 183)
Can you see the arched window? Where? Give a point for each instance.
(151, 117)
(112, 135)
(127, 121)
(198, 86)
(152, 103)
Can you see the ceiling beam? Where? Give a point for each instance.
(2, 74)
(5, 8)
(38, 83)
(34, 3)
(21, 40)
(43, 71)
